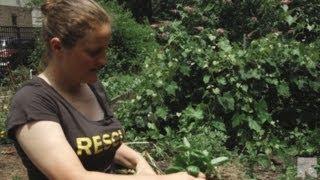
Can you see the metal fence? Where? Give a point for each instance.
(16, 45)
(17, 32)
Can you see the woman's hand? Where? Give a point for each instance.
(129, 158)
(143, 168)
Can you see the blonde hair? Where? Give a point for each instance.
(70, 20)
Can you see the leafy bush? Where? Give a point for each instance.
(193, 160)
(247, 20)
(36, 60)
(204, 80)
(5, 96)
(131, 42)
(119, 84)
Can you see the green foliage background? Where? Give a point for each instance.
(231, 77)
(248, 69)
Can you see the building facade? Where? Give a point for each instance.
(16, 13)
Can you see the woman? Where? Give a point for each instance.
(60, 120)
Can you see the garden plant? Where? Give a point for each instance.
(214, 83)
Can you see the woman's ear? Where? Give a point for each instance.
(56, 45)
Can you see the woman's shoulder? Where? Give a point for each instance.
(31, 102)
(30, 89)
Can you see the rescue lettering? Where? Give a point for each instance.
(96, 144)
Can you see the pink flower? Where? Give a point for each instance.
(220, 31)
(254, 19)
(189, 9)
(227, 1)
(286, 2)
(174, 11)
(199, 28)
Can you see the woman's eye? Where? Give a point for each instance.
(94, 53)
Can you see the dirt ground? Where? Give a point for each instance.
(11, 167)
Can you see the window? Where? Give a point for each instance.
(18, 2)
(14, 19)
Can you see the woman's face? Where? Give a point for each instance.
(83, 61)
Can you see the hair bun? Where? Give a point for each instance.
(47, 6)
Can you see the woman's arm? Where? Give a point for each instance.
(46, 146)
(130, 158)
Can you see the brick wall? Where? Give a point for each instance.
(24, 17)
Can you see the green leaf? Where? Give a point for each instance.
(160, 56)
(159, 83)
(264, 116)
(315, 85)
(290, 20)
(224, 44)
(285, 7)
(252, 74)
(168, 131)
(262, 111)
(192, 113)
(219, 126)
(211, 37)
(227, 102)
(310, 27)
(222, 81)
(198, 114)
(171, 39)
(190, 127)
(238, 119)
(244, 88)
(246, 108)
(174, 169)
(195, 154)
(152, 126)
(161, 112)
(181, 148)
(171, 88)
(261, 105)
(209, 7)
(149, 92)
(205, 153)
(254, 125)
(185, 70)
(218, 160)
(263, 160)
(186, 142)
(206, 79)
(300, 83)
(180, 160)
(193, 170)
(283, 89)
(159, 73)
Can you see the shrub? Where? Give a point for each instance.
(131, 42)
(205, 80)
(36, 61)
(247, 20)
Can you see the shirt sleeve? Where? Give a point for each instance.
(30, 104)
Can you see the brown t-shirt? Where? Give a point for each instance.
(95, 142)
